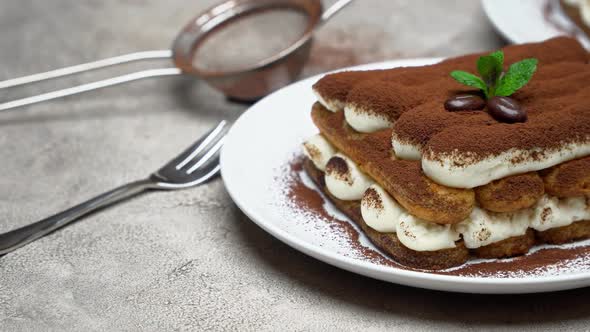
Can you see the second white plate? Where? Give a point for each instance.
(525, 21)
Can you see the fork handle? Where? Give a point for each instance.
(22, 236)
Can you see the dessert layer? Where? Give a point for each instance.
(405, 181)
(512, 193)
(569, 179)
(389, 242)
(470, 149)
(334, 88)
(445, 258)
(548, 92)
(381, 212)
(481, 154)
(386, 99)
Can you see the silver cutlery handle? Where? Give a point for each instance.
(89, 87)
(109, 62)
(19, 237)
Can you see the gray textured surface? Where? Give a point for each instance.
(191, 260)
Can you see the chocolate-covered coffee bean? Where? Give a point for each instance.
(465, 103)
(505, 109)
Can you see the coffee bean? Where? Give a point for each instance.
(506, 109)
(465, 103)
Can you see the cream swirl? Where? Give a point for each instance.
(364, 121)
(331, 105)
(463, 171)
(483, 227)
(345, 180)
(420, 235)
(551, 212)
(319, 151)
(379, 210)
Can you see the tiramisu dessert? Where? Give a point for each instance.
(480, 156)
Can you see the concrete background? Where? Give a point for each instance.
(191, 260)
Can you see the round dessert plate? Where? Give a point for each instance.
(256, 165)
(526, 21)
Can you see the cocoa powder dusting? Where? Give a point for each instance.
(336, 86)
(549, 131)
(528, 265)
(538, 261)
(513, 188)
(557, 105)
(569, 179)
(338, 168)
(372, 198)
(310, 200)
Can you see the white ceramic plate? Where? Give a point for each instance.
(524, 21)
(254, 164)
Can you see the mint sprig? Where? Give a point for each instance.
(493, 80)
(518, 75)
(469, 79)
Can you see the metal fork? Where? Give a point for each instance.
(194, 166)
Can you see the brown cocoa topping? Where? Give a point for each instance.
(548, 91)
(337, 86)
(310, 200)
(338, 168)
(313, 151)
(372, 199)
(555, 106)
(548, 131)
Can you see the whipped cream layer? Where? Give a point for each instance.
(382, 213)
(551, 212)
(319, 150)
(483, 227)
(420, 235)
(359, 119)
(379, 210)
(364, 121)
(345, 180)
(461, 170)
(405, 151)
(331, 105)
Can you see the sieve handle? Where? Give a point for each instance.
(132, 57)
(333, 10)
(89, 87)
(61, 72)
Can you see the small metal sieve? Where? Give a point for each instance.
(247, 83)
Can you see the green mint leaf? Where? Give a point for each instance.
(469, 79)
(517, 76)
(490, 68)
(499, 56)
